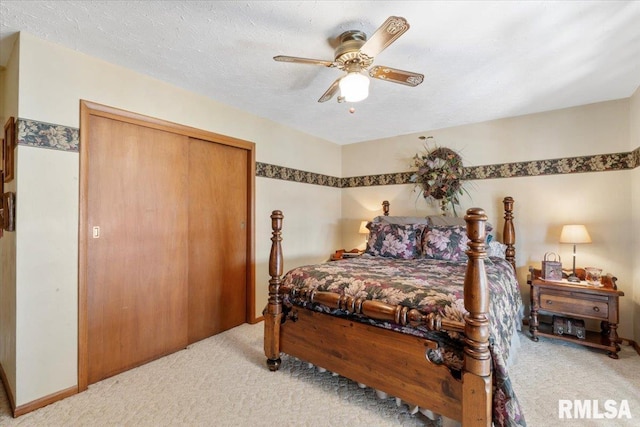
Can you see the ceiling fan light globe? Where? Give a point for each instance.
(354, 87)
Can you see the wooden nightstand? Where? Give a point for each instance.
(577, 301)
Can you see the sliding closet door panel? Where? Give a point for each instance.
(137, 255)
(217, 238)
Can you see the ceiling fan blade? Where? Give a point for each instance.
(388, 32)
(331, 91)
(397, 76)
(284, 58)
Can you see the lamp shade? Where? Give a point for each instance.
(574, 234)
(354, 87)
(363, 228)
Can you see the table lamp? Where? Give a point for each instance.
(364, 230)
(574, 234)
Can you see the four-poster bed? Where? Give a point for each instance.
(389, 346)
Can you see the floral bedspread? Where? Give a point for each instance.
(431, 286)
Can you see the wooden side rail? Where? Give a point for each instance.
(377, 310)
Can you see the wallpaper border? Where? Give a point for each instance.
(570, 165)
(267, 170)
(48, 135)
(58, 137)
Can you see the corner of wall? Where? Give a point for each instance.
(3, 91)
(634, 142)
(8, 107)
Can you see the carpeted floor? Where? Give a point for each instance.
(223, 381)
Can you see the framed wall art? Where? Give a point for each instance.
(8, 211)
(2, 204)
(3, 149)
(7, 148)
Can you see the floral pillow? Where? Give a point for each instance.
(445, 242)
(394, 240)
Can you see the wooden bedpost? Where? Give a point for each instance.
(385, 207)
(476, 377)
(508, 232)
(273, 312)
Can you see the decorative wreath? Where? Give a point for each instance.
(439, 175)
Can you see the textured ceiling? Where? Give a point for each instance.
(481, 60)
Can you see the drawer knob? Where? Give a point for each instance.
(596, 309)
(549, 302)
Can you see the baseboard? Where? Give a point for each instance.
(7, 388)
(36, 404)
(44, 401)
(633, 344)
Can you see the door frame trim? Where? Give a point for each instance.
(89, 109)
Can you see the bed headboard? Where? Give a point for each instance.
(508, 229)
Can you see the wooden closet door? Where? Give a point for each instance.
(137, 258)
(217, 238)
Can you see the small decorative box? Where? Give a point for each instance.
(567, 326)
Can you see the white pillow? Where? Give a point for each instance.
(401, 220)
(497, 249)
(443, 220)
(446, 221)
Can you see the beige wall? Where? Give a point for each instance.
(589, 129)
(53, 79)
(635, 197)
(543, 204)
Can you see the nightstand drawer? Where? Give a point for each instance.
(594, 308)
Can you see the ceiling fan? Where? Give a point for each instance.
(355, 54)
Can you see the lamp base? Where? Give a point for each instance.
(573, 278)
